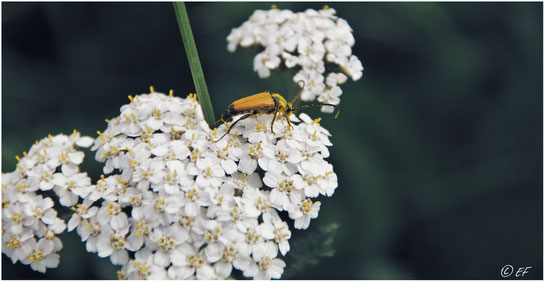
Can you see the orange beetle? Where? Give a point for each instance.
(264, 103)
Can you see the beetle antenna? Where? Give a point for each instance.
(318, 105)
(300, 92)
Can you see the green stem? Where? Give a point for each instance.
(194, 62)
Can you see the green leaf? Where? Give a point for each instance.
(194, 62)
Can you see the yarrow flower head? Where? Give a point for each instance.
(30, 225)
(186, 206)
(174, 201)
(310, 41)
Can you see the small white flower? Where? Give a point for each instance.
(112, 242)
(218, 234)
(193, 199)
(285, 188)
(130, 124)
(81, 211)
(337, 47)
(335, 79)
(310, 179)
(109, 150)
(68, 188)
(285, 159)
(37, 209)
(313, 134)
(242, 181)
(290, 60)
(219, 199)
(149, 171)
(224, 267)
(173, 178)
(28, 184)
(354, 68)
(46, 182)
(303, 212)
(172, 150)
(255, 202)
(165, 240)
(257, 130)
(105, 188)
(312, 50)
(89, 231)
(273, 228)
(40, 255)
(227, 157)
(14, 245)
(187, 261)
(108, 211)
(13, 217)
(264, 62)
(330, 96)
(142, 224)
(208, 172)
(266, 264)
(143, 267)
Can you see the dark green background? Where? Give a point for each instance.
(438, 147)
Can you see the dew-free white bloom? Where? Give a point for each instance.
(173, 203)
(143, 267)
(303, 212)
(199, 207)
(307, 41)
(30, 224)
(266, 265)
(40, 255)
(273, 228)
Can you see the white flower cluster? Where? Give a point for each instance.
(29, 223)
(308, 40)
(179, 205)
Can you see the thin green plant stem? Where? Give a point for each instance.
(194, 62)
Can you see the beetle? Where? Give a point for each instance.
(264, 103)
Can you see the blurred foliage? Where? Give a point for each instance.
(438, 148)
(310, 249)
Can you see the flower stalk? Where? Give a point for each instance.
(194, 62)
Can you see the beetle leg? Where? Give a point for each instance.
(214, 123)
(274, 118)
(231, 127)
(289, 123)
